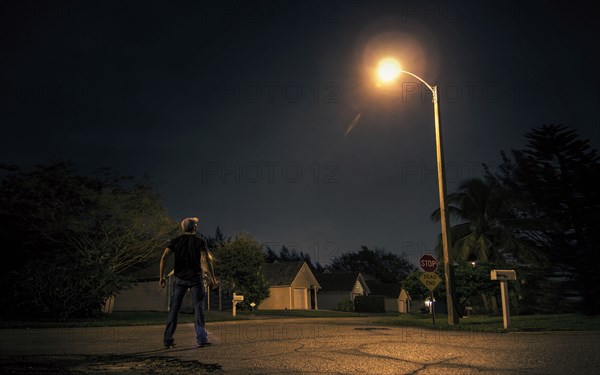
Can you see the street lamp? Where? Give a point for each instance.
(388, 71)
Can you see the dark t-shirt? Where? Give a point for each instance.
(187, 249)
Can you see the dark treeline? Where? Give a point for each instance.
(538, 213)
(74, 239)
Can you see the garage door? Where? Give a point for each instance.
(300, 298)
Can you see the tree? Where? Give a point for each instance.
(384, 266)
(489, 229)
(558, 174)
(470, 283)
(74, 238)
(219, 239)
(240, 266)
(414, 286)
(287, 255)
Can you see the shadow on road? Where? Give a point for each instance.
(135, 363)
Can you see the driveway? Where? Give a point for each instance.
(309, 346)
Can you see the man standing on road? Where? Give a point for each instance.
(193, 271)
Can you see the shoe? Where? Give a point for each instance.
(170, 345)
(208, 343)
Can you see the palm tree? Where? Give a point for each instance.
(490, 228)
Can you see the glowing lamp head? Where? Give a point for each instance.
(388, 70)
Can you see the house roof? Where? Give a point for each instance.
(282, 273)
(339, 281)
(385, 289)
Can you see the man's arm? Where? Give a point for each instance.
(163, 281)
(211, 270)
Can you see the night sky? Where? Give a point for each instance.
(265, 116)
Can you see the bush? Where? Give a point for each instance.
(345, 305)
(73, 238)
(374, 304)
(239, 265)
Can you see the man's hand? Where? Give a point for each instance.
(161, 272)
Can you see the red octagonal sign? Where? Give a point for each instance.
(428, 263)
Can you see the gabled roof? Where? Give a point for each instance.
(282, 273)
(385, 289)
(340, 281)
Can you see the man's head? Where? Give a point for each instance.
(189, 225)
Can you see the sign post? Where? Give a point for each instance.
(504, 276)
(432, 309)
(429, 278)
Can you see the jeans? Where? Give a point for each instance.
(180, 287)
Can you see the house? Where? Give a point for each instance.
(404, 305)
(396, 298)
(341, 286)
(292, 286)
(144, 294)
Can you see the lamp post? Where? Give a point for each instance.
(389, 70)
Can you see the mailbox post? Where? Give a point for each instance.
(235, 301)
(504, 276)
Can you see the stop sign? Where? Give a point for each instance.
(428, 263)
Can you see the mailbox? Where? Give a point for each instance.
(235, 300)
(503, 275)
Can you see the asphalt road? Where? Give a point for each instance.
(289, 346)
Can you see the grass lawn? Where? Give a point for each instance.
(120, 318)
(524, 323)
(136, 318)
(303, 313)
(532, 323)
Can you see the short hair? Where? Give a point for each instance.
(190, 224)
